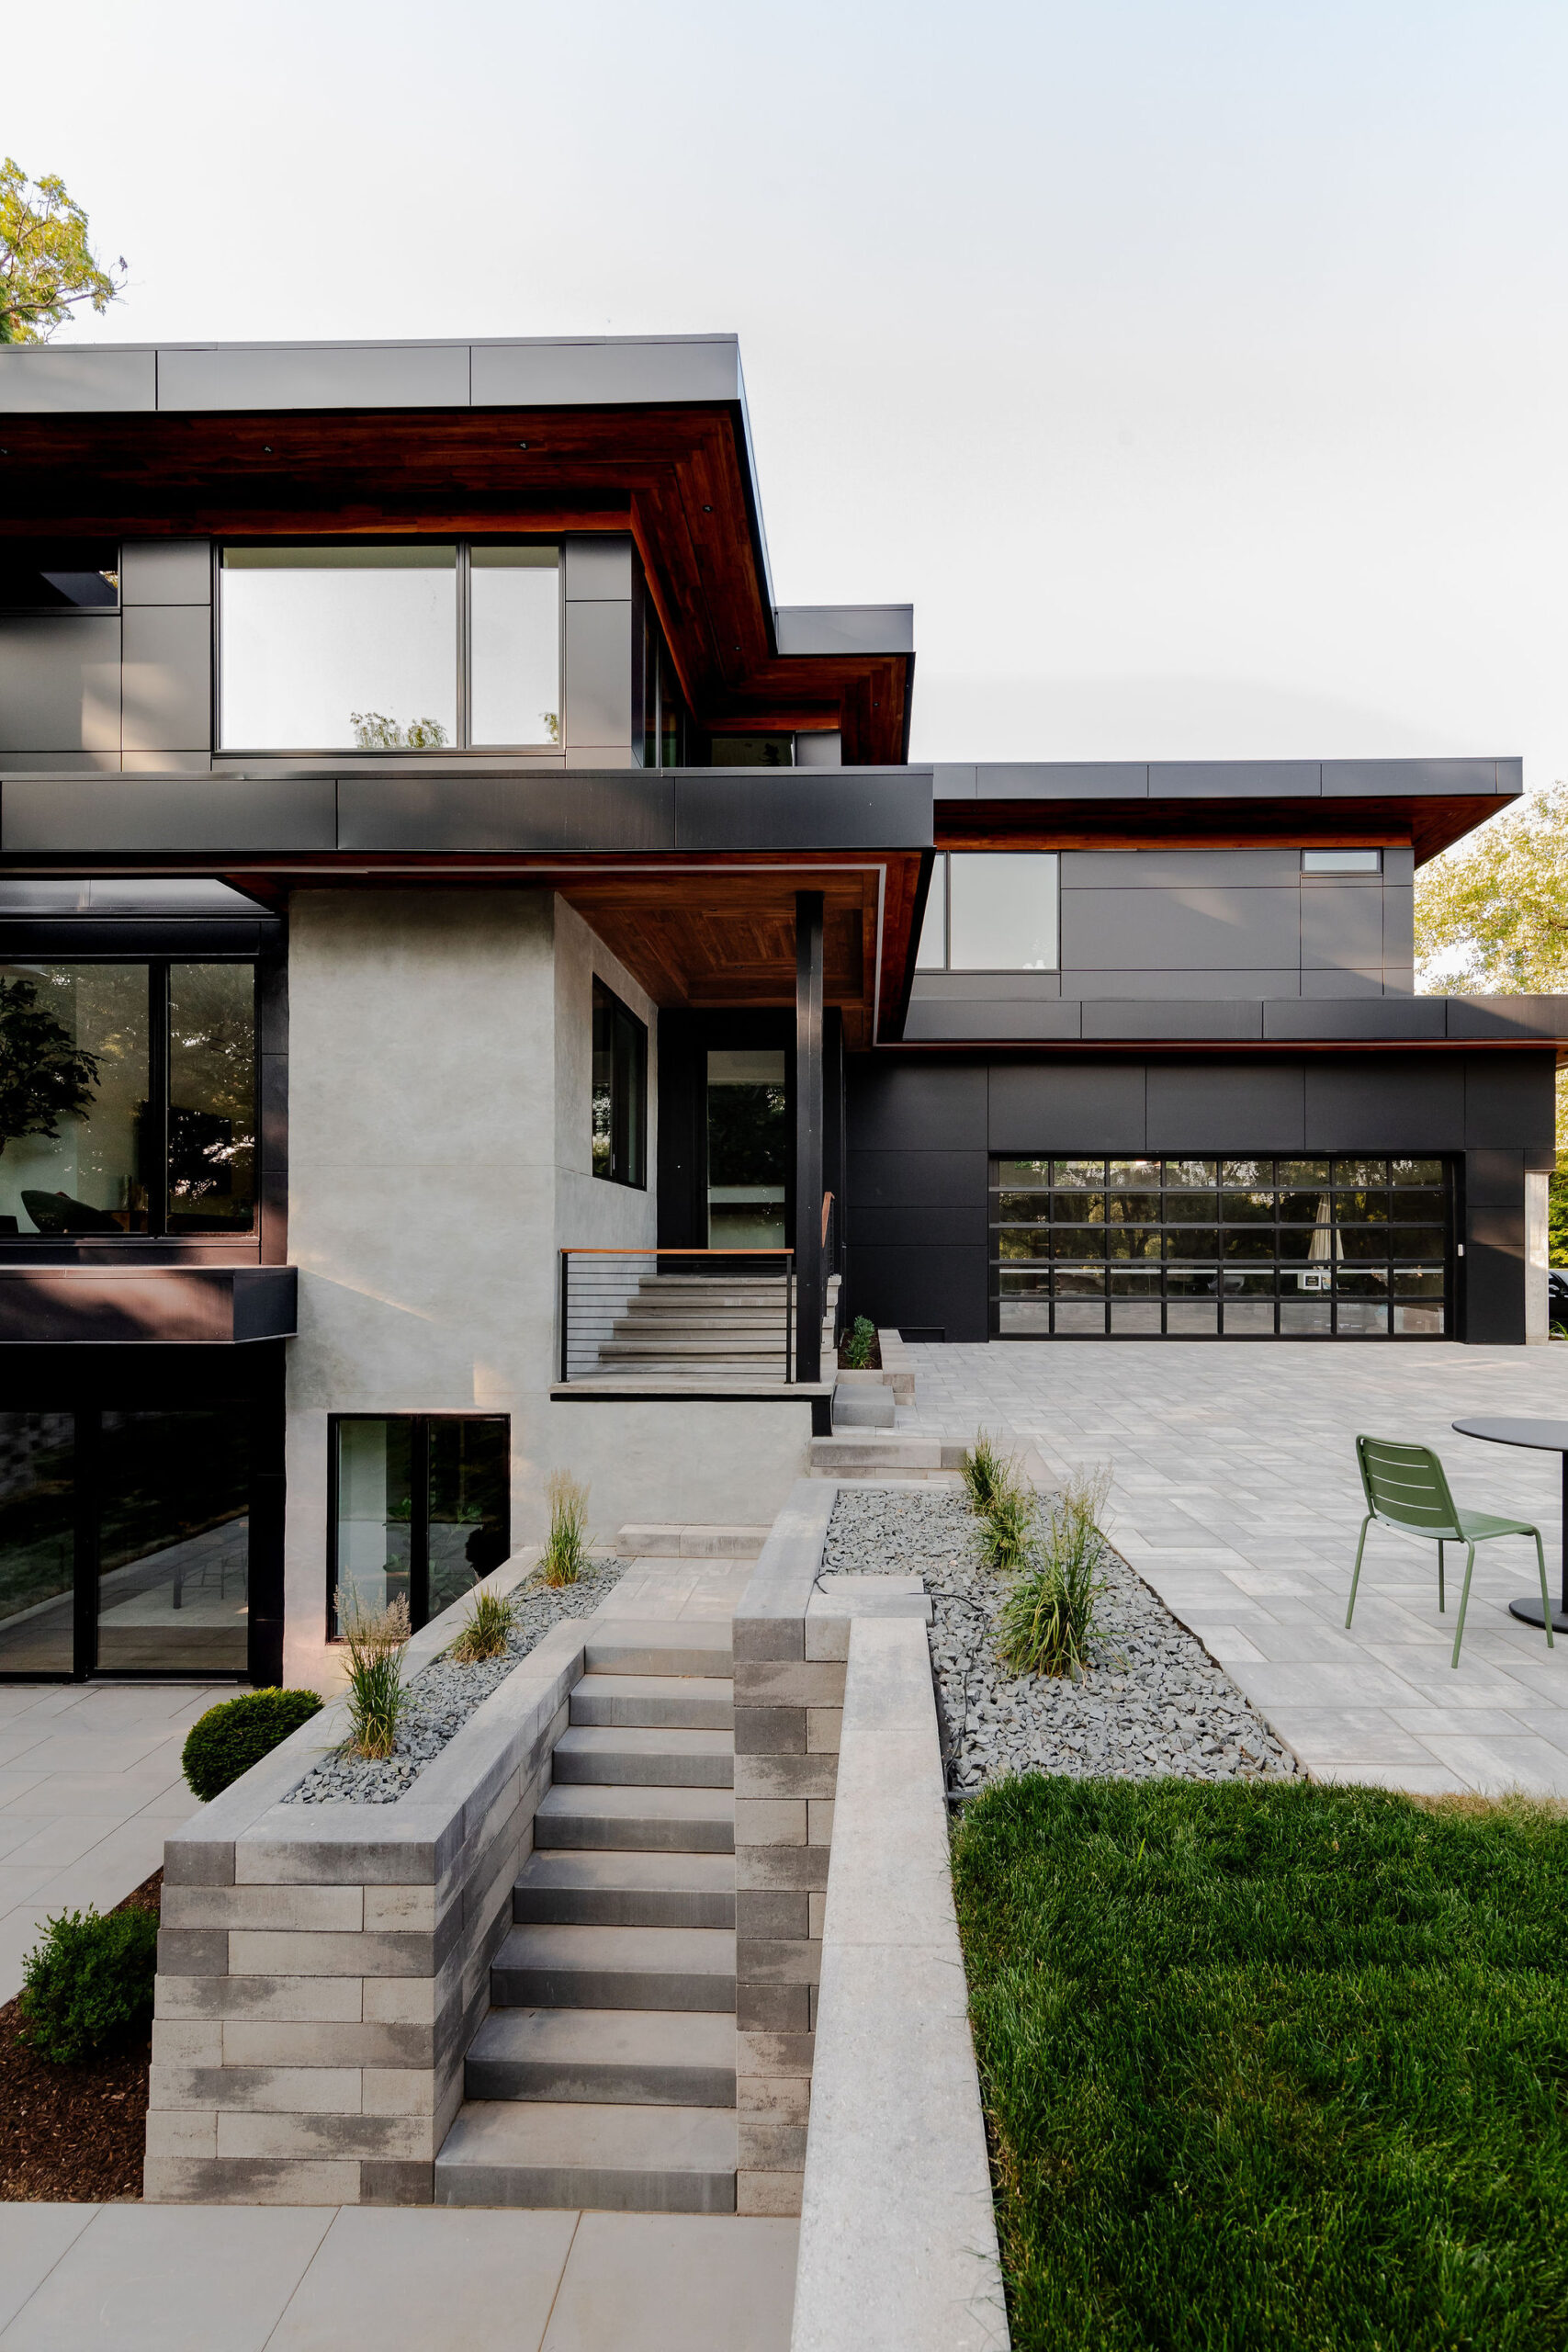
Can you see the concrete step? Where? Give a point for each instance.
(871, 1454)
(864, 1408)
(659, 1646)
(608, 2057)
(598, 1889)
(656, 1702)
(614, 2159)
(647, 1821)
(546, 1967)
(697, 1540)
(608, 1755)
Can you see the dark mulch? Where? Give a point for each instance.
(871, 1363)
(74, 2134)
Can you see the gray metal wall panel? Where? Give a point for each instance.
(1235, 779)
(1398, 924)
(986, 988)
(924, 1228)
(1345, 779)
(738, 808)
(1225, 1106)
(265, 1302)
(1173, 930)
(167, 689)
(1412, 1017)
(302, 375)
(1398, 866)
(165, 572)
(822, 748)
(1492, 1276)
(1509, 1101)
(591, 372)
(1180, 984)
(74, 817)
(1229, 1019)
(918, 1106)
(597, 670)
(1508, 1016)
(1062, 780)
(952, 783)
(1340, 928)
(1039, 1107)
(166, 763)
(924, 1179)
(1326, 985)
(937, 1023)
(1385, 1103)
(38, 380)
(940, 1290)
(60, 684)
(1163, 869)
(634, 812)
(845, 628)
(598, 569)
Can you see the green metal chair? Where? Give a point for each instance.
(1406, 1489)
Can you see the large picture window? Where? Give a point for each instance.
(1220, 1249)
(620, 1090)
(421, 1508)
(127, 1098)
(419, 646)
(992, 911)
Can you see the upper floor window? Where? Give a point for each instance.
(59, 576)
(127, 1098)
(419, 646)
(992, 911)
(1341, 861)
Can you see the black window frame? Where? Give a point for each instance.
(462, 746)
(63, 609)
(627, 1041)
(420, 1426)
(158, 966)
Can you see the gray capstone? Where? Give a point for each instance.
(445, 1694)
(1153, 1702)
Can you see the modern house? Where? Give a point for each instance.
(446, 903)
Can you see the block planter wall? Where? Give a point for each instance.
(321, 1969)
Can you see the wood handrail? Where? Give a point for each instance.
(827, 1213)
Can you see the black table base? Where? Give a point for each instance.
(1528, 1612)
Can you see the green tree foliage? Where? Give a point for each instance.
(46, 264)
(44, 1075)
(1492, 920)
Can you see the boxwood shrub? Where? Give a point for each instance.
(228, 1739)
(89, 1985)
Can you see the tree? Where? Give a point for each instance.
(46, 264)
(1492, 920)
(44, 1075)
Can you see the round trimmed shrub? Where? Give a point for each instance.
(89, 1985)
(228, 1739)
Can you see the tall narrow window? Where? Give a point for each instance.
(422, 1508)
(931, 954)
(620, 1090)
(515, 645)
(213, 1096)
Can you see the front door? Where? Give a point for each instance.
(749, 1142)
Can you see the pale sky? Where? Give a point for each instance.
(1198, 372)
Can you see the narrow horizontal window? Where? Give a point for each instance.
(59, 576)
(1341, 861)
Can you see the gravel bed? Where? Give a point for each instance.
(444, 1695)
(1153, 1702)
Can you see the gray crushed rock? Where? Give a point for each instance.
(445, 1694)
(1154, 1702)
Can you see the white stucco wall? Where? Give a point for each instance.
(439, 1148)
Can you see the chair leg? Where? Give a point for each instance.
(1441, 1604)
(1545, 1595)
(1463, 1601)
(1357, 1578)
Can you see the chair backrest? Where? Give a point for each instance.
(1404, 1485)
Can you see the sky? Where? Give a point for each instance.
(1198, 372)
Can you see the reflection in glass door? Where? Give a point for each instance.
(422, 1508)
(749, 1150)
(38, 1548)
(173, 1542)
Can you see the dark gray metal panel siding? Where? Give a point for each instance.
(60, 684)
(167, 1305)
(290, 376)
(933, 1179)
(933, 1021)
(1387, 1103)
(165, 572)
(1090, 780)
(1341, 926)
(1217, 1018)
(1509, 1101)
(1039, 1106)
(598, 570)
(1225, 1106)
(917, 1106)
(575, 812)
(735, 809)
(1377, 1016)
(1173, 929)
(1492, 1287)
(71, 815)
(166, 685)
(597, 675)
(1235, 779)
(1165, 869)
(943, 1289)
(1412, 779)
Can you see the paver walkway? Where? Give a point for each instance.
(1235, 1495)
(90, 1786)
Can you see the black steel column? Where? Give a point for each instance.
(808, 1134)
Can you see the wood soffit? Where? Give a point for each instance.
(672, 477)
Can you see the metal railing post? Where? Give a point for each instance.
(789, 1319)
(565, 1312)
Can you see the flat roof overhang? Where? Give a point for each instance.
(689, 876)
(55, 1305)
(1107, 1028)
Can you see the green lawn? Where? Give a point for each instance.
(1271, 2067)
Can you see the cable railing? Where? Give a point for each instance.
(677, 1313)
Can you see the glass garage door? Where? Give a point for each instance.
(1220, 1249)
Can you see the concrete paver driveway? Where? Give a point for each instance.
(1235, 1495)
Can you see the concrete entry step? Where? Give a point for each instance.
(621, 1890)
(656, 1702)
(616, 2159)
(659, 1646)
(608, 1755)
(695, 1540)
(615, 1968)
(607, 2057)
(889, 1454)
(664, 1821)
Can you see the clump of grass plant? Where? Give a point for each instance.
(1273, 2066)
(485, 1631)
(1052, 1614)
(985, 1473)
(375, 1640)
(1008, 1528)
(566, 1546)
(861, 1344)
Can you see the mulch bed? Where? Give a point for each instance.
(74, 2134)
(872, 1362)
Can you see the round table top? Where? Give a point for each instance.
(1548, 1437)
